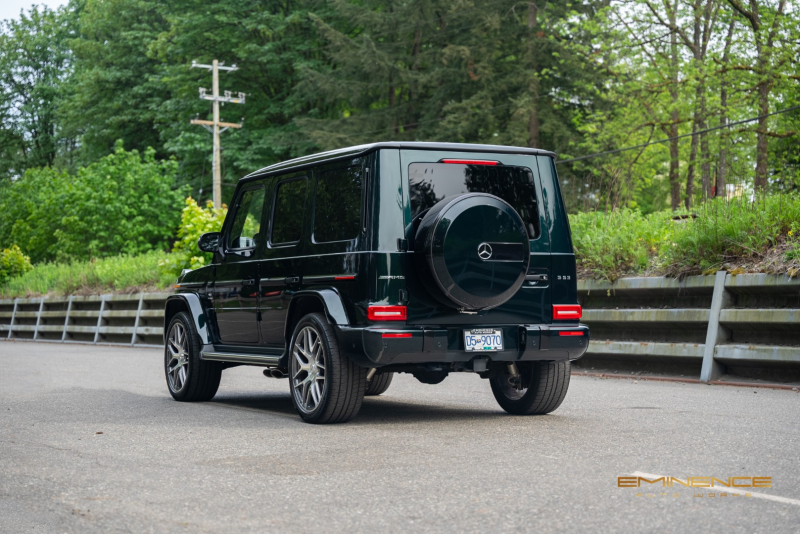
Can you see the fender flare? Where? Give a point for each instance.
(331, 301)
(199, 315)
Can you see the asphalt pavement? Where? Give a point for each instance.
(91, 441)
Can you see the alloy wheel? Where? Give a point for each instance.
(308, 369)
(177, 357)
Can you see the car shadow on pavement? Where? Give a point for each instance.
(385, 410)
(373, 410)
(280, 404)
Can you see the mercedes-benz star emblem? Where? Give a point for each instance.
(484, 251)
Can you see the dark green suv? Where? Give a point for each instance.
(338, 270)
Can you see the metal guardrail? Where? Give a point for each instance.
(708, 324)
(746, 324)
(136, 320)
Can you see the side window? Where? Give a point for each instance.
(246, 229)
(337, 204)
(287, 219)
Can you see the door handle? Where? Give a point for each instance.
(292, 279)
(248, 282)
(537, 277)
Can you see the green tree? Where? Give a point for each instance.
(772, 30)
(34, 61)
(114, 91)
(483, 71)
(125, 203)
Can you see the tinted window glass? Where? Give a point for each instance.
(246, 228)
(290, 204)
(431, 182)
(337, 205)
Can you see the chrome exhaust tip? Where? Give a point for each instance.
(274, 373)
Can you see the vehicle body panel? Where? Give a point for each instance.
(377, 267)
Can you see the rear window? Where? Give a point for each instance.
(431, 182)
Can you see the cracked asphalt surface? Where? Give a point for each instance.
(91, 441)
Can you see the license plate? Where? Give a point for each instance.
(484, 340)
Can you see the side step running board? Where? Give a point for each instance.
(250, 359)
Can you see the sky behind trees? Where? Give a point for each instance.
(10, 9)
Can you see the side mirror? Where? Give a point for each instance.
(209, 242)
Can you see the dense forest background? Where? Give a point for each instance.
(577, 78)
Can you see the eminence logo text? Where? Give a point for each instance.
(695, 482)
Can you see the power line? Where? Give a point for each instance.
(678, 136)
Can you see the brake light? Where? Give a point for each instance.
(566, 311)
(471, 161)
(573, 333)
(404, 334)
(386, 313)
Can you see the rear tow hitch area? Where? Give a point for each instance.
(514, 378)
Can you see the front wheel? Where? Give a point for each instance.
(534, 388)
(189, 378)
(326, 386)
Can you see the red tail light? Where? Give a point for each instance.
(570, 333)
(390, 334)
(566, 311)
(386, 313)
(471, 161)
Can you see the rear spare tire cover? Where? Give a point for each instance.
(473, 250)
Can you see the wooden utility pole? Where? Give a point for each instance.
(215, 125)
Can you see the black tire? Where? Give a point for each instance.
(545, 386)
(200, 380)
(343, 382)
(379, 384)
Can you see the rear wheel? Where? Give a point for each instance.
(379, 384)
(189, 378)
(536, 388)
(326, 386)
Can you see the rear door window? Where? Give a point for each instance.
(431, 182)
(287, 217)
(337, 204)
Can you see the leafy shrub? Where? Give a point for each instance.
(96, 276)
(122, 204)
(13, 263)
(195, 221)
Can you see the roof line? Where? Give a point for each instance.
(359, 150)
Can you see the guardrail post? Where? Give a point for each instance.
(136, 322)
(716, 333)
(99, 318)
(11, 323)
(66, 320)
(38, 319)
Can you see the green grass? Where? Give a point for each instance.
(738, 235)
(118, 274)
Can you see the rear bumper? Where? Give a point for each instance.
(377, 346)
